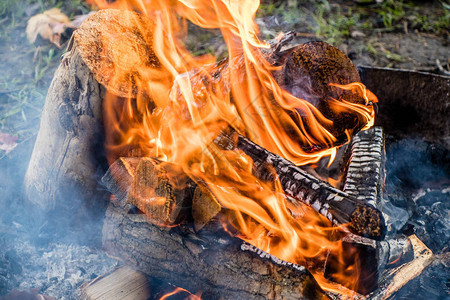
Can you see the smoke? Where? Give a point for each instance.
(50, 252)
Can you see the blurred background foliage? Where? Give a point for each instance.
(358, 27)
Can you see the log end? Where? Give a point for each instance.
(156, 193)
(204, 207)
(118, 68)
(307, 74)
(368, 222)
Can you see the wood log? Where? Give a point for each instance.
(340, 208)
(161, 191)
(204, 210)
(307, 71)
(124, 283)
(204, 207)
(68, 156)
(211, 261)
(129, 176)
(134, 241)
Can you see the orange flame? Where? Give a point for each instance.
(184, 102)
(180, 290)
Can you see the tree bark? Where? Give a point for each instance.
(211, 261)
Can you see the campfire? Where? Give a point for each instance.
(216, 168)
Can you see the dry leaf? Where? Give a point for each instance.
(7, 142)
(49, 25)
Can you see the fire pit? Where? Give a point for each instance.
(207, 190)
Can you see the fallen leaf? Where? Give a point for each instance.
(49, 25)
(7, 142)
(357, 35)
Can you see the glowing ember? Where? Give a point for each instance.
(178, 104)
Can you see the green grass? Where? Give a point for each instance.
(396, 14)
(334, 25)
(27, 70)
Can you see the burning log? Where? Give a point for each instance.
(204, 207)
(387, 253)
(211, 261)
(158, 193)
(72, 122)
(316, 72)
(138, 181)
(362, 218)
(340, 208)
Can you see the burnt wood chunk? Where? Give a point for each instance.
(365, 172)
(340, 208)
(160, 190)
(394, 279)
(309, 70)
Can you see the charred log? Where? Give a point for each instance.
(340, 208)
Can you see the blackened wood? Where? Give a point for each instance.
(394, 279)
(365, 173)
(340, 208)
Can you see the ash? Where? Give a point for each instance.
(55, 270)
(418, 181)
(37, 254)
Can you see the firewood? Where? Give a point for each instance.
(100, 31)
(68, 156)
(119, 177)
(340, 208)
(309, 70)
(210, 261)
(223, 267)
(204, 207)
(395, 279)
(123, 283)
(160, 190)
